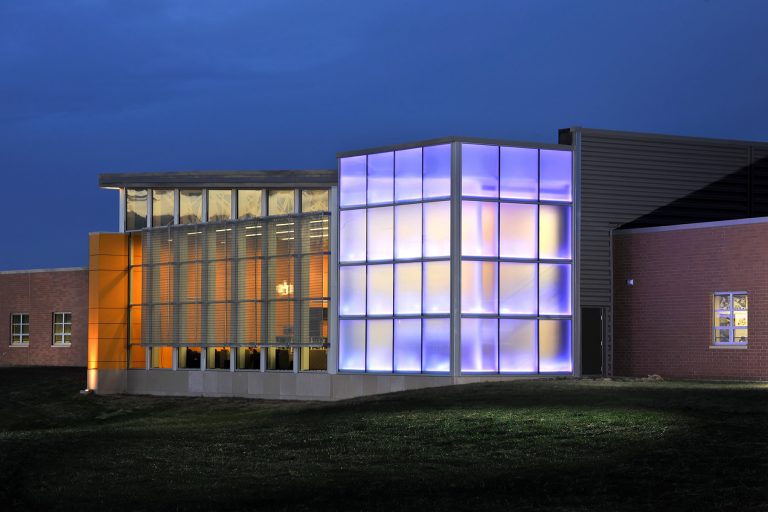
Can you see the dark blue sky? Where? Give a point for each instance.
(90, 86)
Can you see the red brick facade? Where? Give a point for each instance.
(663, 323)
(40, 294)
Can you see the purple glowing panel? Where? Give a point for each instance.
(408, 288)
(408, 174)
(517, 346)
(378, 354)
(479, 228)
(517, 289)
(479, 287)
(436, 345)
(479, 170)
(408, 345)
(479, 345)
(408, 231)
(555, 232)
(352, 236)
(519, 171)
(381, 233)
(436, 289)
(437, 171)
(379, 289)
(352, 180)
(555, 346)
(352, 345)
(517, 230)
(381, 182)
(554, 289)
(556, 183)
(352, 290)
(437, 229)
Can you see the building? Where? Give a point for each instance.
(46, 314)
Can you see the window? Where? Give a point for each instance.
(135, 209)
(219, 205)
(190, 206)
(730, 318)
(162, 207)
(249, 204)
(281, 202)
(62, 329)
(19, 329)
(314, 201)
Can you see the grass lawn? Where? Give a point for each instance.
(543, 445)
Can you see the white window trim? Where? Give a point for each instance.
(21, 322)
(63, 323)
(731, 343)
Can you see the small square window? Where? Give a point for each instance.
(62, 329)
(19, 329)
(730, 319)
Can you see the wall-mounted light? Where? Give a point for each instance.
(284, 288)
(630, 282)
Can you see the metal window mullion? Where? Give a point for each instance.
(455, 261)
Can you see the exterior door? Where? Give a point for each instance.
(592, 329)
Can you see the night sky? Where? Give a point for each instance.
(90, 86)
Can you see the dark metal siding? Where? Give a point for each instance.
(223, 179)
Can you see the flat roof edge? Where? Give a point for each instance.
(268, 178)
(662, 136)
(693, 225)
(40, 270)
(448, 140)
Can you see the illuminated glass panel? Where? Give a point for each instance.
(190, 206)
(517, 289)
(437, 171)
(479, 170)
(517, 346)
(517, 230)
(519, 171)
(479, 287)
(219, 205)
(380, 233)
(352, 180)
(378, 355)
(135, 208)
(408, 288)
(217, 358)
(380, 289)
(554, 289)
(314, 201)
(436, 345)
(380, 178)
(352, 344)
(555, 175)
(436, 293)
(555, 232)
(479, 228)
(352, 235)
(408, 174)
(162, 207)
(352, 286)
(249, 203)
(280, 358)
(281, 202)
(407, 345)
(479, 345)
(408, 231)
(161, 357)
(248, 358)
(437, 229)
(555, 346)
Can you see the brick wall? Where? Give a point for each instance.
(663, 324)
(40, 294)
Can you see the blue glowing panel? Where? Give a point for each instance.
(408, 288)
(379, 289)
(555, 346)
(381, 182)
(517, 230)
(408, 345)
(519, 171)
(352, 290)
(555, 232)
(517, 289)
(352, 235)
(479, 345)
(437, 229)
(378, 354)
(517, 346)
(381, 233)
(408, 174)
(352, 345)
(352, 180)
(479, 228)
(436, 290)
(554, 289)
(479, 287)
(555, 178)
(437, 171)
(408, 231)
(436, 345)
(479, 170)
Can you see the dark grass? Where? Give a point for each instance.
(543, 445)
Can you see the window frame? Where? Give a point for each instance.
(63, 323)
(714, 342)
(23, 337)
